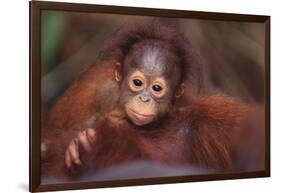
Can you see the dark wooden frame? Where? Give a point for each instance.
(35, 91)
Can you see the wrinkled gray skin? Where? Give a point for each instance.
(154, 59)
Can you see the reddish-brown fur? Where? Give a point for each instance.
(76, 110)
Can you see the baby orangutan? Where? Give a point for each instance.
(140, 102)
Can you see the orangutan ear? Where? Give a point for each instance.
(180, 90)
(117, 72)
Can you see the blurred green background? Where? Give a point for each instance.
(232, 52)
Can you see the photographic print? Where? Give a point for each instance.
(129, 96)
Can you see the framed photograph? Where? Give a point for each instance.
(123, 96)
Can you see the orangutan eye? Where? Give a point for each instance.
(157, 88)
(137, 82)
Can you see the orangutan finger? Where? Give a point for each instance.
(91, 135)
(74, 152)
(67, 159)
(84, 141)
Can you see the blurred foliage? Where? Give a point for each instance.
(53, 23)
